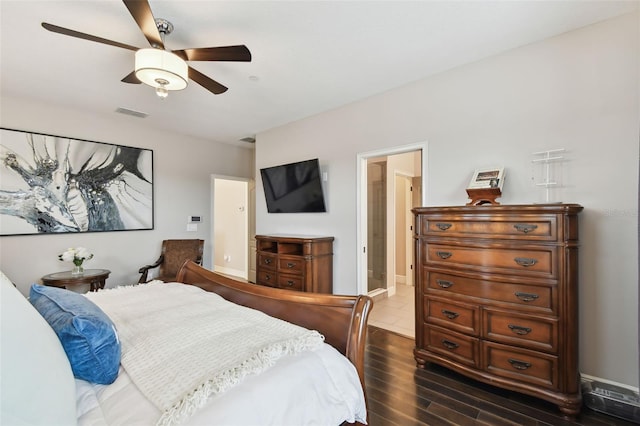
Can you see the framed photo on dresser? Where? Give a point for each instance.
(487, 178)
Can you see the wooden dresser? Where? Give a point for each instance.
(497, 296)
(301, 263)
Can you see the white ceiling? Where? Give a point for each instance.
(308, 56)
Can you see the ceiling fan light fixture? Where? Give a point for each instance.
(162, 92)
(161, 69)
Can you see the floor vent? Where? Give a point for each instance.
(612, 400)
(127, 111)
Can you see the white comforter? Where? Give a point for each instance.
(311, 387)
(181, 344)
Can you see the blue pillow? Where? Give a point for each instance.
(87, 334)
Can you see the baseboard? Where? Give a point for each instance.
(229, 271)
(378, 293)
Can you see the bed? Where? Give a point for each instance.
(324, 385)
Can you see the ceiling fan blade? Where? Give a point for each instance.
(77, 34)
(131, 78)
(141, 12)
(238, 53)
(206, 82)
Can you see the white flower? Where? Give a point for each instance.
(78, 254)
(83, 253)
(68, 255)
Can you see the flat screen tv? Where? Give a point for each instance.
(293, 188)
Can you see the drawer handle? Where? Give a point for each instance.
(526, 297)
(444, 254)
(290, 264)
(519, 329)
(525, 227)
(443, 226)
(449, 344)
(267, 277)
(444, 284)
(525, 261)
(290, 283)
(450, 314)
(519, 365)
(267, 260)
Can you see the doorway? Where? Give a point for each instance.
(232, 216)
(390, 185)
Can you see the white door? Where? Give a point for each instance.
(408, 232)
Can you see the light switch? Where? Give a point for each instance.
(192, 227)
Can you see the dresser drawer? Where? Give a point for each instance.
(267, 261)
(523, 365)
(462, 317)
(536, 261)
(538, 297)
(521, 330)
(267, 278)
(463, 349)
(291, 265)
(531, 228)
(290, 282)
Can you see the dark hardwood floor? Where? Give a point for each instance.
(398, 393)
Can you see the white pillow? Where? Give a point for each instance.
(36, 383)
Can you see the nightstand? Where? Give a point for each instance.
(95, 278)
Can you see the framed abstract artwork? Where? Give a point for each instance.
(55, 184)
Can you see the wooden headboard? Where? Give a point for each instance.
(341, 319)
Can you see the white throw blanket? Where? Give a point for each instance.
(181, 344)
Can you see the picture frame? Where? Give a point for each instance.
(53, 184)
(487, 178)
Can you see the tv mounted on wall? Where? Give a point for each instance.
(294, 187)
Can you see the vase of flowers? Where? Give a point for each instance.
(76, 255)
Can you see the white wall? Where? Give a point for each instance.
(577, 91)
(182, 169)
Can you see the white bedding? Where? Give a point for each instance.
(181, 344)
(312, 388)
(159, 323)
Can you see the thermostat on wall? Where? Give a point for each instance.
(194, 219)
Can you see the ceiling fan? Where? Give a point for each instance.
(159, 68)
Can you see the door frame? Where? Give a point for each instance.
(361, 201)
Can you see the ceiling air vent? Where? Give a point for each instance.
(127, 111)
(248, 139)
